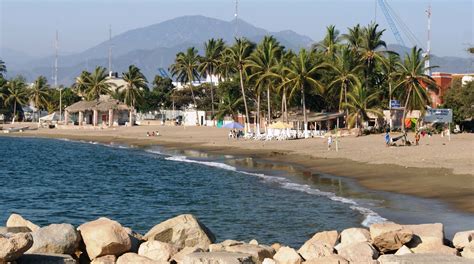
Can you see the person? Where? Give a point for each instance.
(157, 133)
(153, 133)
(230, 134)
(329, 142)
(387, 139)
(147, 134)
(417, 137)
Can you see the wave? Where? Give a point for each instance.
(370, 216)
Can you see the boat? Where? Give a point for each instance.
(15, 129)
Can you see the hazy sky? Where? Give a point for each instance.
(29, 25)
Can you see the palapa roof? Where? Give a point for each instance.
(314, 117)
(101, 105)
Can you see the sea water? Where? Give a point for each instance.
(55, 181)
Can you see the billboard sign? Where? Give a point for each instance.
(438, 116)
(394, 104)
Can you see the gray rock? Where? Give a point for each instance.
(258, 252)
(179, 257)
(462, 239)
(333, 259)
(40, 258)
(134, 258)
(55, 238)
(217, 258)
(14, 230)
(423, 259)
(358, 252)
(354, 235)
(389, 236)
(287, 255)
(14, 245)
(427, 233)
(16, 220)
(107, 259)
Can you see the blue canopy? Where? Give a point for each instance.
(233, 125)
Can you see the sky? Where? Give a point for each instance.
(29, 26)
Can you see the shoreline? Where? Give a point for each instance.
(441, 184)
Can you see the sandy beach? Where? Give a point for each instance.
(437, 168)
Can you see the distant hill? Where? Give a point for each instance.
(155, 46)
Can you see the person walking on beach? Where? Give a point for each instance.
(417, 137)
(387, 139)
(329, 142)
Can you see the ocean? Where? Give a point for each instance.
(55, 181)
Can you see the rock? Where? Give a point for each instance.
(14, 230)
(468, 251)
(354, 235)
(230, 242)
(435, 248)
(217, 258)
(135, 238)
(287, 255)
(333, 259)
(268, 261)
(46, 258)
(134, 258)
(104, 237)
(216, 247)
(389, 236)
(462, 239)
(13, 246)
(157, 250)
(55, 238)
(276, 246)
(107, 259)
(314, 249)
(182, 231)
(258, 253)
(328, 237)
(433, 233)
(422, 259)
(403, 251)
(253, 242)
(16, 220)
(358, 252)
(179, 257)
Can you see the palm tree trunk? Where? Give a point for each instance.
(268, 106)
(194, 101)
(14, 112)
(345, 107)
(247, 125)
(285, 107)
(212, 100)
(405, 111)
(305, 118)
(390, 104)
(258, 114)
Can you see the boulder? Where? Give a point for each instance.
(14, 230)
(134, 258)
(157, 250)
(253, 242)
(354, 235)
(358, 252)
(434, 248)
(216, 247)
(16, 220)
(268, 261)
(276, 246)
(389, 236)
(403, 251)
(333, 259)
(230, 242)
(258, 253)
(104, 237)
(135, 239)
(46, 258)
(14, 245)
(107, 259)
(182, 231)
(433, 233)
(468, 251)
(329, 237)
(55, 238)
(287, 255)
(217, 258)
(179, 257)
(422, 259)
(315, 249)
(462, 239)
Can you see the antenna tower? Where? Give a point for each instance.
(428, 44)
(236, 16)
(56, 48)
(110, 50)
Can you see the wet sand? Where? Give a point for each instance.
(436, 169)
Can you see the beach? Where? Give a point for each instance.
(438, 168)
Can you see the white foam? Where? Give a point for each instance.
(370, 216)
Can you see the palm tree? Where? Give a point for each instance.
(239, 54)
(16, 94)
(133, 91)
(414, 82)
(39, 93)
(354, 37)
(213, 50)
(345, 69)
(390, 70)
(370, 50)
(263, 63)
(3, 69)
(330, 43)
(285, 61)
(360, 104)
(302, 74)
(185, 69)
(80, 85)
(97, 84)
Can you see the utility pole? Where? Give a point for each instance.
(428, 46)
(110, 50)
(56, 47)
(236, 16)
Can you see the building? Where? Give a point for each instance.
(444, 80)
(105, 112)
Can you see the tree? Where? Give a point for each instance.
(16, 94)
(414, 82)
(38, 93)
(354, 37)
(371, 51)
(263, 63)
(460, 98)
(330, 44)
(213, 50)
(390, 70)
(80, 85)
(185, 69)
(301, 76)
(360, 104)
(231, 100)
(3, 69)
(136, 85)
(238, 55)
(285, 62)
(96, 84)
